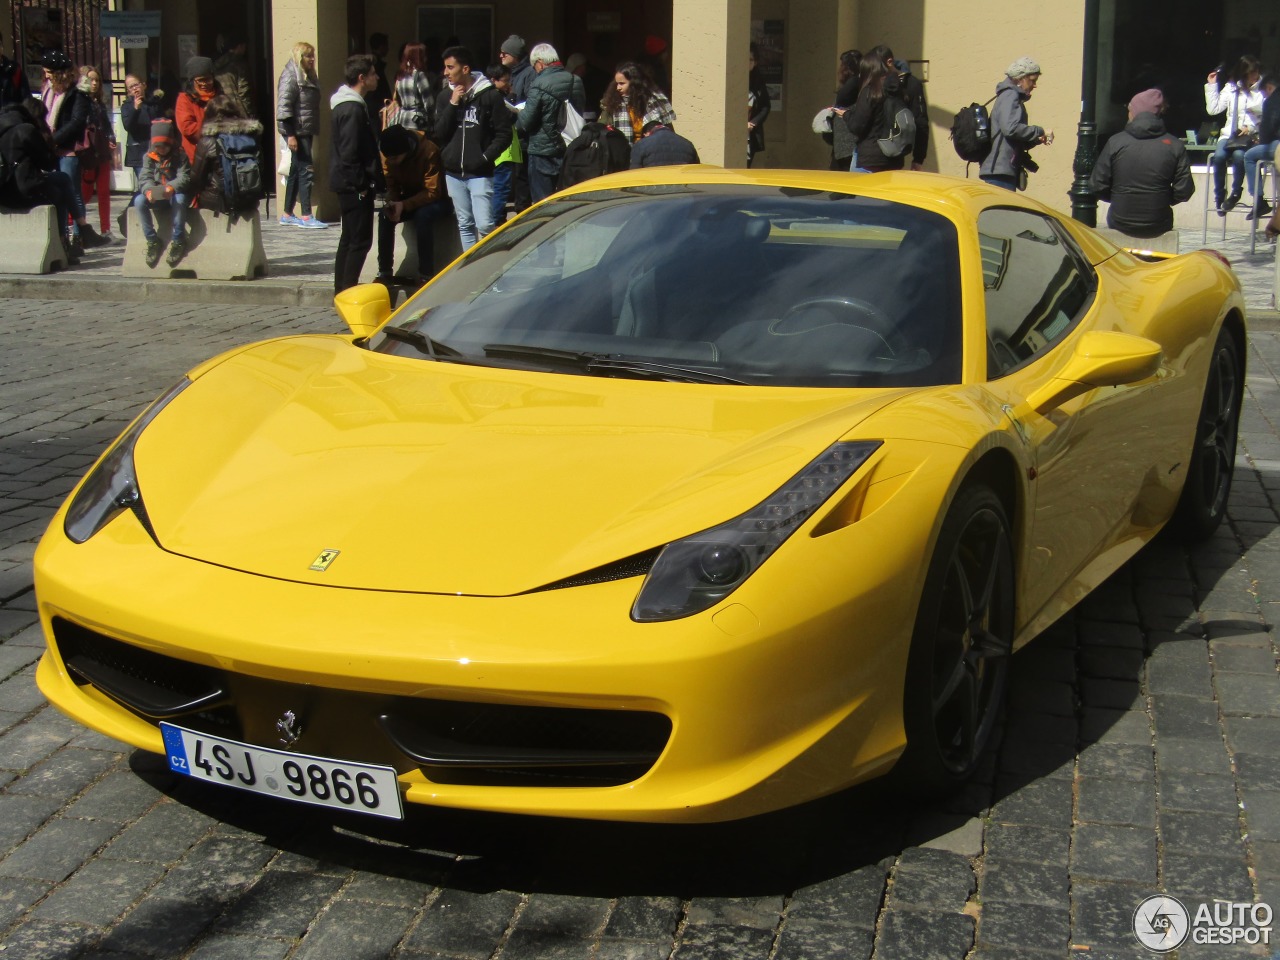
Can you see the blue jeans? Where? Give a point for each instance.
(71, 167)
(178, 204)
(501, 190)
(1000, 180)
(1221, 157)
(473, 206)
(1263, 151)
(301, 173)
(60, 194)
(544, 174)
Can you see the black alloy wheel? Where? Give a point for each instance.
(1203, 502)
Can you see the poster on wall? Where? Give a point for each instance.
(769, 37)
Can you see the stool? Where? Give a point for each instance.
(1267, 170)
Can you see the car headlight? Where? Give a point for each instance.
(112, 485)
(692, 574)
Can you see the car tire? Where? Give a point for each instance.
(958, 667)
(1203, 502)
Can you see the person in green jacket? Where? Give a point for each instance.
(542, 120)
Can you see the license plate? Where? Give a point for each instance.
(361, 787)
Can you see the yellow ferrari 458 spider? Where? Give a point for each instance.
(687, 495)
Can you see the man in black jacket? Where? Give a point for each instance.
(1143, 171)
(473, 127)
(355, 168)
(660, 146)
(26, 147)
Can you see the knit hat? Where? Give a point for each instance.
(56, 60)
(1022, 67)
(514, 46)
(162, 131)
(198, 67)
(1148, 101)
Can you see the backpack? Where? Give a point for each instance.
(241, 173)
(901, 124)
(971, 132)
(597, 150)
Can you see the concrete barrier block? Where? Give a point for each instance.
(31, 240)
(448, 247)
(219, 247)
(1165, 243)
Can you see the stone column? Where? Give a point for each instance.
(710, 42)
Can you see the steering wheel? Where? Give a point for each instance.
(863, 315)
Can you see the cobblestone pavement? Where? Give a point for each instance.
(1141, 754)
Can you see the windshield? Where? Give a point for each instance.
(721, 284)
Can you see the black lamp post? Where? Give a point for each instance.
(1084, 205)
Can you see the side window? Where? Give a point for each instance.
(1036, 285)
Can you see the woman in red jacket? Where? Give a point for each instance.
(188, 112)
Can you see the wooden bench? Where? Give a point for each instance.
(31, 240)
(219, 247)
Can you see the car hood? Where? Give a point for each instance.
(444, 478)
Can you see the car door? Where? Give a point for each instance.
(1090, 454)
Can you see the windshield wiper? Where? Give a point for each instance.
(589, 362)
(432, 348)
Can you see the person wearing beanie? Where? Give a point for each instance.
(512, 56)
(165, 183)
(188, 112)
(415, 194)
(1012, 137)
(1143, 171)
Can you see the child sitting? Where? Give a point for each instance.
(165, 181)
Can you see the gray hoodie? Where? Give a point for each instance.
(1011, 135)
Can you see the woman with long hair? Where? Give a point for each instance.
(97, 162)
(223, 114)
(67, 111)
(843, 146)
(867, 121)
(298, 120)
(632, 101)
(1240, 98)
(415, 90)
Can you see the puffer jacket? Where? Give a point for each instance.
(1241, 105)
(297, 102)
(1011, 136)
(208, 182)
(539, 121)
(27, 154)
(1142, 171)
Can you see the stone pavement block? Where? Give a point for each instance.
(609, 949)
(1125, 802)
(1256, 773)
(1260, 735)
(955, 832)
(1251, 695)
(1038, 695)
(1262, 813)
(1044, 803)
(1216, 834)
(383, 888)
(281, 904)
(569, 916)
(762, 913)
(163, 834)
(120, 796)
(464, 924)
(1017, 881)
(27, 744)
(1197, 878)
(99, 892)
(349, 929)
(16, 896)
(241, 948)
(56, 850)
(1016, 842)
(645, 918)
(1118, 761)
(65, 773)
(1111, 852)
(48, 939)
(1100, 725)
(1174, 755)
(160, 927)
(215, 870)
(1043, 662)
(932, 879)
(13, 657)
(724, 943)
(1028, 759)
(1094, 633)
(546, 945)
(1102, 914)
(1203, 792)
(807, 942)
(1234, 658)
(1024, 926)
(1112, 694)
(1040, 729)
(1182, 716)
(21, 815)
(1116, 663)
(852, 898)
(911, 935)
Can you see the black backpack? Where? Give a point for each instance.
(597, 150)
(901, 124)
(971, 132)
(241, 173)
